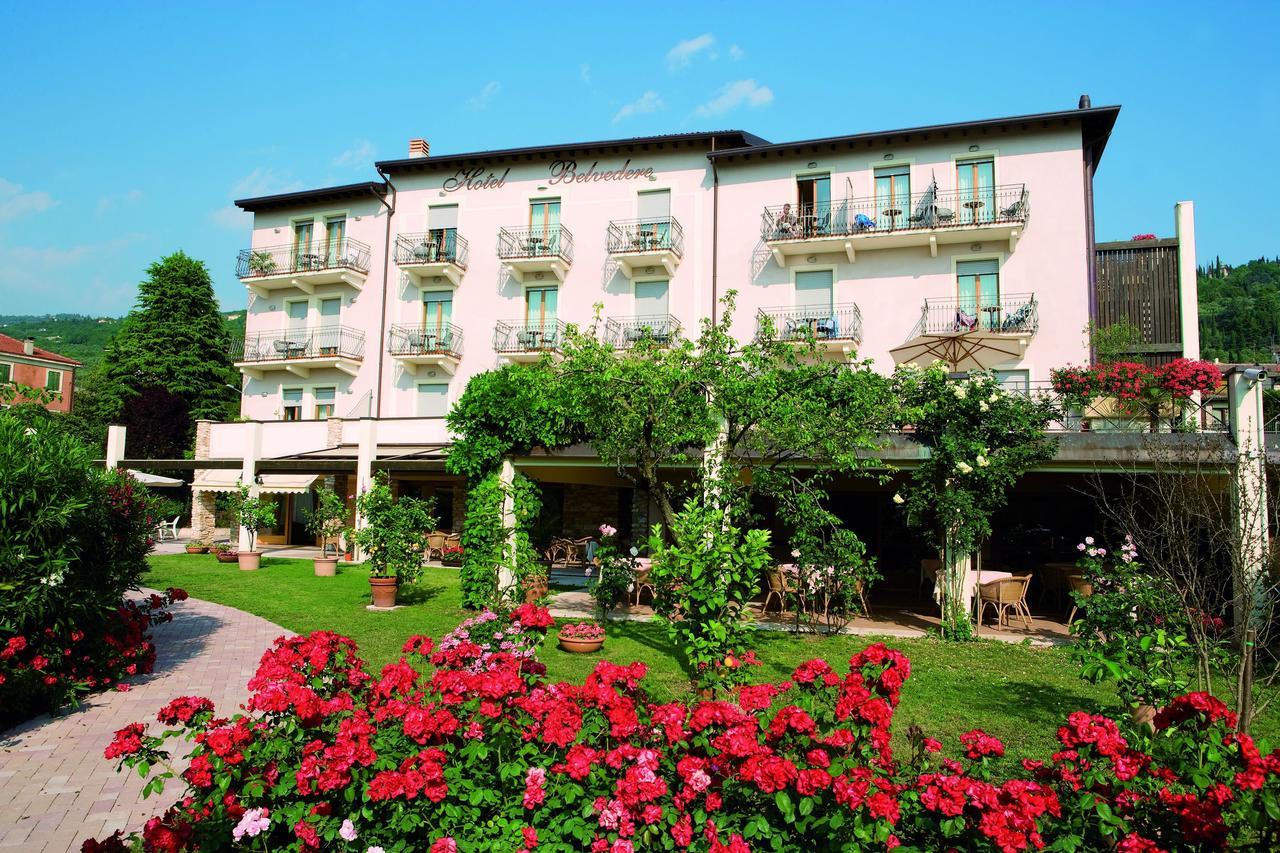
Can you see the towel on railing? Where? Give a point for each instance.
(966, 322)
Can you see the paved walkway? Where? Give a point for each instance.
(56, 789)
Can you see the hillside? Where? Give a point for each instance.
(1240, 311)
(80, 337)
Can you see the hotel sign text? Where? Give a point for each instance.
(561, 172)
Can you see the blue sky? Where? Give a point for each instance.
(128, 128)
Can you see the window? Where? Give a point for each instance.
(651, 298)
(437, 311)
(654, 208)
(814, 289)
(433, 400)
(544, 224)
(53, 380)
(325, 398)
(335, 232)
(978, 289)
(6, 373)
(442, 228)
(302, 232)
(976, 185)
(292, 408)
(1014, 380)
(540, 307)
(893, 192)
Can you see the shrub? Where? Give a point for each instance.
(466, 746)
(615, 575)
(394, 535)
(485, 537)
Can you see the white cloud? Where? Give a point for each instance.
(38, 277)
(683, 53)
(16, 204)
(487, 94)
(359, 155)
(584, 71)
(736, 52)
(734, 95)
(110, 202)
(261, 182)
(232, 218)
(647, 103)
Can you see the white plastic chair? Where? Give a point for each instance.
(169, 527)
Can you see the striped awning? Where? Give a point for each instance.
(216, 480)
(227, 480)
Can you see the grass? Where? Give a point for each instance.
(1015, 692)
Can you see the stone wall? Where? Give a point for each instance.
(588, 507)
(202, 506)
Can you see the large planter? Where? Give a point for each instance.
(227, 556)
(197, 549)
(326, 567)
(384, 591)
(249, 560)
(581, 647)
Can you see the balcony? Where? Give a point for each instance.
(641, 246)
(436, 345)
(927, 219)
(520, 340)
(433, 257)
(835, 329)
(969, 334)
(299, 351)
(625, 332)
(536, 252)
(269, 268)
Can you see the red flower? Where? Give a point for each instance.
(182, 709)
(127, 741)
(1202, 706)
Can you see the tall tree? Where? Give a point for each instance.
(174, 339)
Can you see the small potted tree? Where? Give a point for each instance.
(393, 538)
(326, 521)
(261, 263)
(253, 514)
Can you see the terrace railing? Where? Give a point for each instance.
(1014, 314)
(841, 322)
(513, 336)
(646, 235)
(1109, 416)
(431, 339)
(624, 332)
(442, 245)
(299, 343)
(308, 257)
(544, 241)
(930, 209)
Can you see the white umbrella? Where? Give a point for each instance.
(962, 351)
(155, 480)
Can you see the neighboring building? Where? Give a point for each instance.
(370, 305)
(24, 363)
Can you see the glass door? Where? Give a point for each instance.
(302, 234)
(437, 311)
(544, 227)
(976, 184)
(442, 232)
(330, 330)
(654, 230)
(893, 194)
(295, 342)
(335, 232)
(814, 196)
(540, 311)
(978, 289)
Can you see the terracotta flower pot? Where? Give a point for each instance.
(326, 567)
(249, 560)
(384, 591)
(581, 647)
(227, 557)
(197, 549)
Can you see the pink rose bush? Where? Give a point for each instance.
(440, 753)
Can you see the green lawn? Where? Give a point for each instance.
(1016, 692)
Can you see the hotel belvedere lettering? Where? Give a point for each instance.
(562, 172)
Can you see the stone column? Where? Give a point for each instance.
(333, 432)
(1249, 490)
(459, 508)
(1184, 213)
(252, 449)
(202, 502)
(115, 446)
(508, 583)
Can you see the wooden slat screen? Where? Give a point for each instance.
(1137, 282)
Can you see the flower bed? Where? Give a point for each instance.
(479, 752)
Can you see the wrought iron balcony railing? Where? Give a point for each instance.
(624, 332)
(842, 322)
(1108, 416)
(646, 235)
(305, 343)
(443, 245)
(543, 241)
(294, 258)
(885, 215)
(431, 339)
(512, 336)
(1015, 314)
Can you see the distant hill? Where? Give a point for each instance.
(1240, 311)
(81, 337)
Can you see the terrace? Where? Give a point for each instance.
(835, 328)
(536, 252)
(436, 345)
(640, 246)
(624, 332)
(527, 340)
(433, 257)
(927, 219)
(304, 266)
(299, 351)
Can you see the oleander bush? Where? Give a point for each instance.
(73, 539)
(466, 746)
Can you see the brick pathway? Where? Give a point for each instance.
(56, 789)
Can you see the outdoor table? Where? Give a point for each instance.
(531, 339)
(309, 262)
(973, 205)
(893, 213)
(427, 342)
(535, 245)
(993, 317)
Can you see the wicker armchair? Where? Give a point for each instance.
(1005, 595)
(435, 544)
(1081, 586)
(644, 579)
(778, 589)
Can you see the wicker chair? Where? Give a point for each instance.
(644, 579)
(1004, 595)
(1081, 586)
(777, 589)
(435, 544)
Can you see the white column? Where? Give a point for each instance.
(251, 449)
(1249, 487)
(507, 582)
(1188, 297)
(115, 446)
(366, 452)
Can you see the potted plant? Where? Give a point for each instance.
(582, 637)
(451, 555)
(393, 538)
(261, 263)
(197, 547)
(253, 514)
(325, 521)
(224, 553)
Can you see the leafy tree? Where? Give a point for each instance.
(1240, 311)
(174, 339)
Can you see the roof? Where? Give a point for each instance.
(1097, 124)
(730, 138)
(305, 197)
(13, 346)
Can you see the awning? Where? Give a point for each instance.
(155, 480)
(227, 480)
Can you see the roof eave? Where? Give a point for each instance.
(304, 197)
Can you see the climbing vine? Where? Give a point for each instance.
(485, 537)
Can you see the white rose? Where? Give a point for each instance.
(964, 467)
(982, 461)
(898, 499)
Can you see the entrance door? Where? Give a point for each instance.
(277, 533)
(814, 196)
(540, 309)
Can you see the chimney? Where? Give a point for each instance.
(419, 148)
(29, 346)
(1085, 103)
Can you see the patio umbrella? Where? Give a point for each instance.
(961, 351)
(155, 480)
